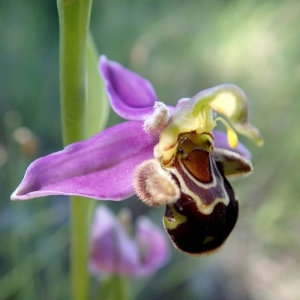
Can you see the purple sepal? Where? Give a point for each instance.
(113, 251)
(131, 96)
(221, 141)
(100, 167)
(154, 247)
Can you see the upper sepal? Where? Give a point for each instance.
(131, 96)
(230, 101)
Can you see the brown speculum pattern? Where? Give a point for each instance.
(206, 212)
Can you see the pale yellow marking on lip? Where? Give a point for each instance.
(208, 239)
(178, 219)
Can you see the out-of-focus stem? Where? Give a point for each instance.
(74, 18)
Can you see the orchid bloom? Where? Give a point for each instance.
(114, 251)
(166, 155)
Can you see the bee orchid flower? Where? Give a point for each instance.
(114, 251)
(167, 155)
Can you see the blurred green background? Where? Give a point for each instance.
(182, 47)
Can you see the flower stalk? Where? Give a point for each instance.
(114, 288)
(74, 18)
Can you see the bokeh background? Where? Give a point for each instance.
(182, 47)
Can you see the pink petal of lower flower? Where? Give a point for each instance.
(112, 251)
(100, 167)
(221, 141)
(131, 96)
(154, 247)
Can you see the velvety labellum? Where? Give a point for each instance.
(207, 210)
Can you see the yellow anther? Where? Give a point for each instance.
(231, 134)
(232, 138)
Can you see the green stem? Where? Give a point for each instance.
(74, 18)
(113, 288)
(80, 217)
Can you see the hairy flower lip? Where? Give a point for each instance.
(154, 185)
